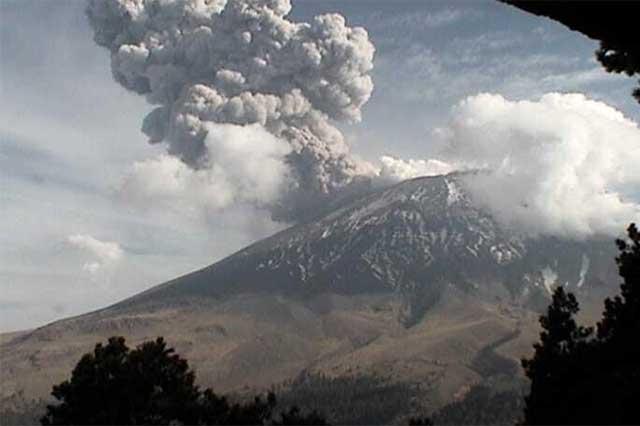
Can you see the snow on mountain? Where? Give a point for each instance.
(413, 283)
(413, 238)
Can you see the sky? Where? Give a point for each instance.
(74, 237)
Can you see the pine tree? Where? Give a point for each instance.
(577, 378)
(621, 318)
(113, 385)
(152, 385)
(552, 365)
(619, 339)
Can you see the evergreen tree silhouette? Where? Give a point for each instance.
(294, 417)
(420, 421)
(552, 368)
(152, 385)
(618, 343)
(579, 378)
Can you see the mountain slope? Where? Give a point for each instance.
(412, 284)
(410, 239)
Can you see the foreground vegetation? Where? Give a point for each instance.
(153, 385)
(584, 376)
(354, 400)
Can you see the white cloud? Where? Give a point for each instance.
(563, 164)
(245, 164)
(104, 253)
(397, 169)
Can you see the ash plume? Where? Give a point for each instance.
(243, 63)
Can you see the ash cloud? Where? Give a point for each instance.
(243, 63)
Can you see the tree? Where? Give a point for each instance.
(618, 344)
(295, 417)
(579, 378)
(151, 385)
(552, 369)
(420, 421)
(621, 319)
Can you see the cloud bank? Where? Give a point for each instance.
(242, 62)
(562, 165)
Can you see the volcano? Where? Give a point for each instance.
(411, 240)
(413, 284)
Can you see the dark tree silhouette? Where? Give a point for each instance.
(578, 378)
(215, 410)
(490, 403)
(420, 421)
(621, 320)
(152, 385)
(551, 369)
(352, 400)
(113, 385)
(294, 417)
(618, 339)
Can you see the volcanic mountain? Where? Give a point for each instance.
(413, 284)
(411, 240)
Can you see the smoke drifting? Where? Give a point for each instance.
(563, 165)
(243, 63)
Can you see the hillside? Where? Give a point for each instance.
(412, 285)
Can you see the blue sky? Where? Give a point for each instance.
(69, 133)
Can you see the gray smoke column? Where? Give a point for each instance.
(242, 62)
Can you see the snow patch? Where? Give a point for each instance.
(453, 192)
(502, 254)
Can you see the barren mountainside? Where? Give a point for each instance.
(410, 239)
(414, 285)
